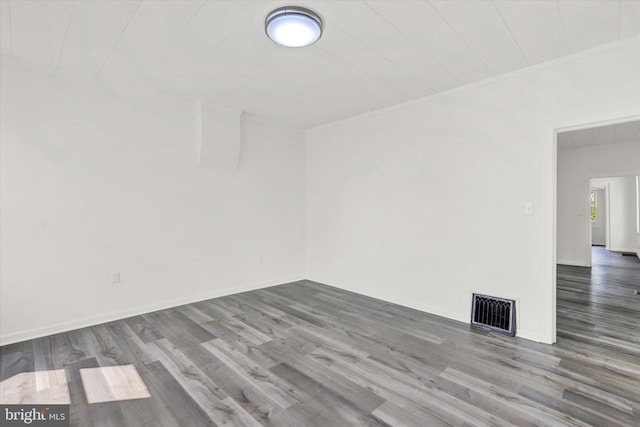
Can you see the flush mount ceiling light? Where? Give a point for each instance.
(293, 26)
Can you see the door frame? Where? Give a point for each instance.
(550, 194)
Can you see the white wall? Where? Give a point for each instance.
(575, 168)
(419, 205)
(638, 215)
(621, 201)
(95, 180)
(424, 204)
(622, 213)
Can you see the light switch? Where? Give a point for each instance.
(528, 209)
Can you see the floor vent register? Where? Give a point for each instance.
(494, 314)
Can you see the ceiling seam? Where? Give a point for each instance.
(382, 56)
(10, 32)
(390, 62)
(619, 17)
(349, 64)
(427, 53)
(191, 17)
(504, 21)
(66, 32)
(331, 54)
(184, 73)
(462, 39)
(119, 37)
(564, 27)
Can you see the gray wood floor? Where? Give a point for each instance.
(309, 354)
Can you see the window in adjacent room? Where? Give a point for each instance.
(594, 202)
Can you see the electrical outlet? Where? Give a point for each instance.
(115, 277)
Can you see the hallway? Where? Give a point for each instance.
(597, 307)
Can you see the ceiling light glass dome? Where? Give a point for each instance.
(293, 26)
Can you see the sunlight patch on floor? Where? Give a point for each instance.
(113, 383)
(103, 384)
(42, 387)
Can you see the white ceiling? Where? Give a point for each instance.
(373, 54)
(602, 135)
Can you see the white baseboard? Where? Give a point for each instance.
(572, 262)
(532, 336)
(520, 333)
(627, 250)
(123, 314)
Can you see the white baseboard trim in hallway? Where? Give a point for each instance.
(123, 314)
(573, 263)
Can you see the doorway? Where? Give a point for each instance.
(595, 159)
(614, 213)
(598, 213)
(589, 159)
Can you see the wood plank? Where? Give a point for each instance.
(324, 399)
(15, 359)
(171, 397)
(280, 393)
